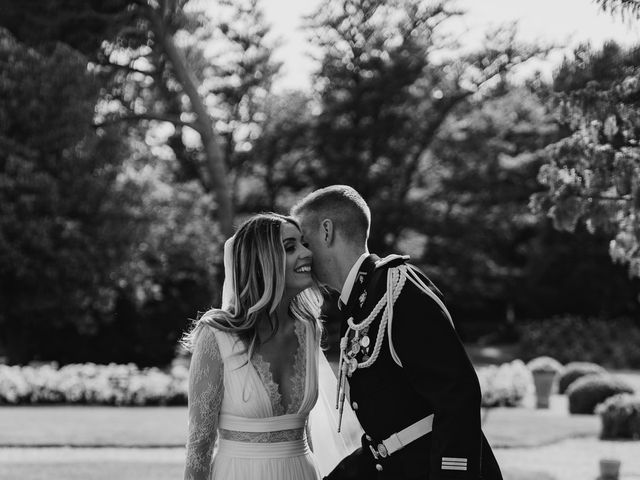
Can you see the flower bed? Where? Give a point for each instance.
(92, 384)
(506, 385)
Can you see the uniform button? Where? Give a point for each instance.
(378, 467)
(354, 405)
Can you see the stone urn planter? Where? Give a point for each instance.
(609, 469)
(544, 371)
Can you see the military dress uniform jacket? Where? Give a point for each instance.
(436, 377)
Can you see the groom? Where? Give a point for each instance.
(412, 387)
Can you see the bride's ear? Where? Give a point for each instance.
(326, 231)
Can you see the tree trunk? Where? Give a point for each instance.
(215, 160)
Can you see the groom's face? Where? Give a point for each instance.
(313, 236)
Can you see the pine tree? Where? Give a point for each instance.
(386, 84)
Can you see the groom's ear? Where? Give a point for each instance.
(326, 231)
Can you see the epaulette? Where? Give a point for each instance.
(391, 261)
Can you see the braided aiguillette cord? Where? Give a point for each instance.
(396, 278)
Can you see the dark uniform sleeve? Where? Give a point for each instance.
(437, 366)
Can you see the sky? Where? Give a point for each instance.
(562, 22)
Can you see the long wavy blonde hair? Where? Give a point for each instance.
(258, 265)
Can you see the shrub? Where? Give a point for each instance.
(587, 392)
(93, 384)
(576, 370)
(505, 385)
(612, 343)
(620, 416)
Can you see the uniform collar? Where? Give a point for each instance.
(351, 278)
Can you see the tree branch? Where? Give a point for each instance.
(204, 123)
(128, 68)
(623, 198)
(136, 117)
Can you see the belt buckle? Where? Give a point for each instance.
(382, 450)
(379, 451)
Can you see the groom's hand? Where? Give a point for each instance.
(357, 466)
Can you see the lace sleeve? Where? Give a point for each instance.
(206, 389)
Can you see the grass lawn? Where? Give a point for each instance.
(93, 426)
(167, 426)
(93, 471)
(128, 464)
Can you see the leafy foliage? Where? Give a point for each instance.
(621, 7)
(384, 97)
(609, 342)
(101, 257)
(64, 214)
(593, 174)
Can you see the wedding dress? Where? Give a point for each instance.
(235, 401)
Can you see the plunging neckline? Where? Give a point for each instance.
(262, 368)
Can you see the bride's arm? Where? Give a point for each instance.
(206, 389)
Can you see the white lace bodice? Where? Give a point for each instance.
(223, 382)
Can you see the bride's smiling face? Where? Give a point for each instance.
(297, 276)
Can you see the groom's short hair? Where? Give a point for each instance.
(341, 204)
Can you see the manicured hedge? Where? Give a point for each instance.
(587, 392)
(620, 416)
(576, 370)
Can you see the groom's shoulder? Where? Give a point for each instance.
(391, 261)
(395, 260)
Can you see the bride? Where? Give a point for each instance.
(254, 371)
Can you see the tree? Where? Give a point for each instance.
(384, 96)
(621, 7)
(66, 221)
(477, 229)
(133, 40)
(592, 175)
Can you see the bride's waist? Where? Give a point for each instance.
(263, 437)
(262, 450)
(293, 421)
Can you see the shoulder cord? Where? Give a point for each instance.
(410, 272)
(396, 279)
(348, 363)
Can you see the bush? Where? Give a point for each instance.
(576, 370)
(620, 416)
(587, 392)
(506, 385)
(611, 343)
(92, 384)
